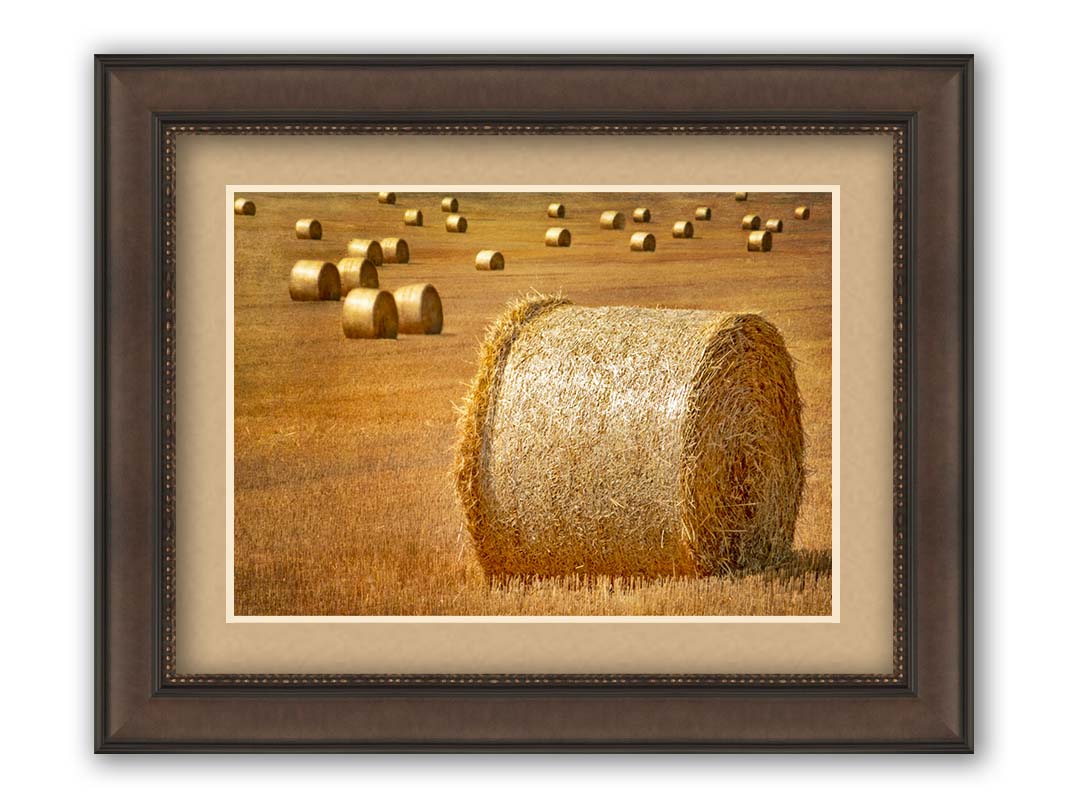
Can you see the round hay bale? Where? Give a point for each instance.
(630, 441)
(751, 222)
(455, 223)
(356, 273)
(308, 229)
(759, 241)
(244, 208)
(314, 280)
(739, 196)
(642, 215)
(557, 210)
(395, 251)
(369, 314)
(489, 260)
(773, 224)
(643, 242)
(419, 309)
(449, 205)
(370, 249)
(413, 217)
(387, 198)
(703, 212)
(558, 237)
(802, 212)
(682, 230)
(613, 220)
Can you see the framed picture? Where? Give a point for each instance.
(534, 403)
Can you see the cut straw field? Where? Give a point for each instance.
(344, 497)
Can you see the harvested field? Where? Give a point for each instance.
(344, 498)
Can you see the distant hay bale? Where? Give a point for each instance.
(682, 230)
(387, 198)
(370, 249)
(489, 260)
(449, 205)
(369, 314)
(308, 229)
(630, 441)
(750, 222)
(244, 208)
(455, 223)
(356, 273)
(419, 309)
(558, 237)
(802, 212)
(413, 217)
(759, 241)
(643, 242)
(703, 212)
(773, 224)
(642, 215)
(314, 280)
(557, 210)
(395, 251)
(613, 220)
(739, 196)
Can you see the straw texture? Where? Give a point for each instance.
(774, 225)
(630, 441)
(356, 273)
(370, 249)
(613, 220)
(419, 309)
(643, 242)
(759, 241)
(751, 222)
(455, 223)
(244, 208)
(739, 196)
(413, 217)
(369, 314)
(395, 251)
(703, 213)
(642, 215)
(802, 212)
(308, 229)
(682, 230)
(314, 280)
(387, 198)
(558, 237)
(557, 210)
(449, 205)
(489, 260)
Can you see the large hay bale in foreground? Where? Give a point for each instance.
(774, 225)
(558, 237)
(395, 251)
(419, 309)
(759, 241)
(642, 215)
(630, 441)
(314, 280)
(244, 208)
(557, 210)
(413, 217)
(643, 242)
(682, 230)
(703, 212)
(369, 314)
(613, 220)
(308, 229)
(751, 222)
(370, 249)
(454, 223)
(802, 212)
(387, 198)
(357, 273)
(489, 260)
(449, 205)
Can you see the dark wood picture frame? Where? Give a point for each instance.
(144, 705)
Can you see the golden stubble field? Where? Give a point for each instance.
(344, 500)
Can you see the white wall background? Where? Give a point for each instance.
(46, 400)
